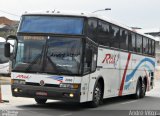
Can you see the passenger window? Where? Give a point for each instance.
(93, 61)
(123, 39)
(153, 47)
(132, 42)
(139, 43)
(115, 37)
(150, 47)
(103, 33)
(145, 45)
(92, 29)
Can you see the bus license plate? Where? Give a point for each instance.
(41, 93)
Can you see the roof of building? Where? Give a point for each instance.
(6, 21)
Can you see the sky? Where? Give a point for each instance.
(133, 13)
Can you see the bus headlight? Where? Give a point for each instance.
(69, 85)
(23, 82)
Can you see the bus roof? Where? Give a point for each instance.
(89, 15)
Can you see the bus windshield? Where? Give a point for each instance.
(52, 24)
(43, 54)
(3, 59)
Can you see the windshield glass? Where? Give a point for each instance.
(3, 59)
(52, 24)
(43, 54)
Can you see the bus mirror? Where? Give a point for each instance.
(89, 57)
(7, 50)
(10, 46)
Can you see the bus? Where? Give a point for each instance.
(79, 57)
(4, 62)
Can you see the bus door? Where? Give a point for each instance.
(90, 63)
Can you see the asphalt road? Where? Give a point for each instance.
(119, 106)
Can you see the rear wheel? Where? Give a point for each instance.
(40, 101)
(144, 86)
(97, 96)
(138, 93)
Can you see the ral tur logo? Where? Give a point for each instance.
(23, 76)
(111, 59)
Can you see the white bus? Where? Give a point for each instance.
(4, 62)
(79, 58)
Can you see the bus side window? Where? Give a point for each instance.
(139, 43)
(94, 58)
(153, 47)
(132, 42)
(103, 33)
(145, 45)
(150, 47)
(115, 37)
(124, 39)
(87, 68)
(93, 61)
(92, 29)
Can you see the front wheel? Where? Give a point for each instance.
(97, 96)
(40, 101)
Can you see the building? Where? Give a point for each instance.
(7, 26)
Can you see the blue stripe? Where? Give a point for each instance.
(129, 76)
(56, 78)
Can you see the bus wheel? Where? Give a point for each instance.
(144, 86)
(40, 101)
(97, 96)
(138, 93)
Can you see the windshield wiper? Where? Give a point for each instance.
(35, 60)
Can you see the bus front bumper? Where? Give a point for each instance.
(55, 93)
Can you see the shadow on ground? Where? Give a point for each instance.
(70, 106)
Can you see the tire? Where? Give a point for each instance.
(40, 101)
(97, 96)
(138, 93)
(144, 86)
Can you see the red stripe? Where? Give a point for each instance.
(124, 75)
